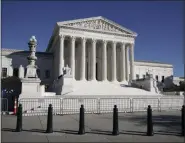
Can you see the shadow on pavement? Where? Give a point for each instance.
(32, 130)
(8, 130)
(88, 132)
(99, 132)
(168, 133)
(165, 122)
(133, 133)
(68, 132)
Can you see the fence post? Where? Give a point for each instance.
(50, 120)
(81, 121)
(115, 121)
(19, 119)
(61, 106)
(183, 121)
(98, 106)
(149, 121)
(132, 104)
(159, 104)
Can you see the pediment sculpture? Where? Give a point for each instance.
(97, 25)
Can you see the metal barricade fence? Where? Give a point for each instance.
(39, 106)
(72, 105)
(141, 104)
(171, 103)
(4, 105)
(106, 104)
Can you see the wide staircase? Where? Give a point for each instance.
(105, 88)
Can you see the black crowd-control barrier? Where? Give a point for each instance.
(183, 121)
(81, 121)
(115, 121)
(50, 120)
(19, 119)
(149, 122)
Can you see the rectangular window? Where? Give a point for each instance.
(162, 78)
(137, 76)
(144, 76)
(4, 72)
(15, 72)
(156, 77)
(38, 73)
(47, 74)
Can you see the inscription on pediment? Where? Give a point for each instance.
(97, 25)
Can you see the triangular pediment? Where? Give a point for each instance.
(97, 23)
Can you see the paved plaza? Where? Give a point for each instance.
(132, 127)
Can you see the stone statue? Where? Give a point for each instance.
(67, 70)
(59, 82)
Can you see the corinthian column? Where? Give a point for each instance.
(132, 62)
(114, 62)
(72, 56)
(61, 55)
(83, 59)
(123, 62)
(93, 66)
(127, 62)
(104, 61)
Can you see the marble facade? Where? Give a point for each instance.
(94, 46)
(95, 49)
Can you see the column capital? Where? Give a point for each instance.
(84, 39)
(94, 40)
(114, 43)
(73, 38)
(129, 45)
(62, 36)
(105, 42)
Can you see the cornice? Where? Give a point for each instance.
(98, 31)
(96, 18)
(152, 64)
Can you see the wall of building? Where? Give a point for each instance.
(47, 61)
(15, 58)
(156, 69)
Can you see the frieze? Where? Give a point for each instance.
(79, 33)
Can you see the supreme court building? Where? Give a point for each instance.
(94, 48)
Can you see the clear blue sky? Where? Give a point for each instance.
(159, 25)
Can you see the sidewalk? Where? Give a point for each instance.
(132, 127)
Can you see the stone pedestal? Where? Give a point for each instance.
(68, 84)
(30, 88)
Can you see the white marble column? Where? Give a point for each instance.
(123, 62)
(132, 74)
(127, 62)
(114, 61)
(104, 61)
(83, 62)
(93, 66)
(61, 55)
(72, 56)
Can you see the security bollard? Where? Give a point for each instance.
(81, 121)
(183, 120)
(149, 122)
(50, 120)
(115, 121)
(19, 119)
